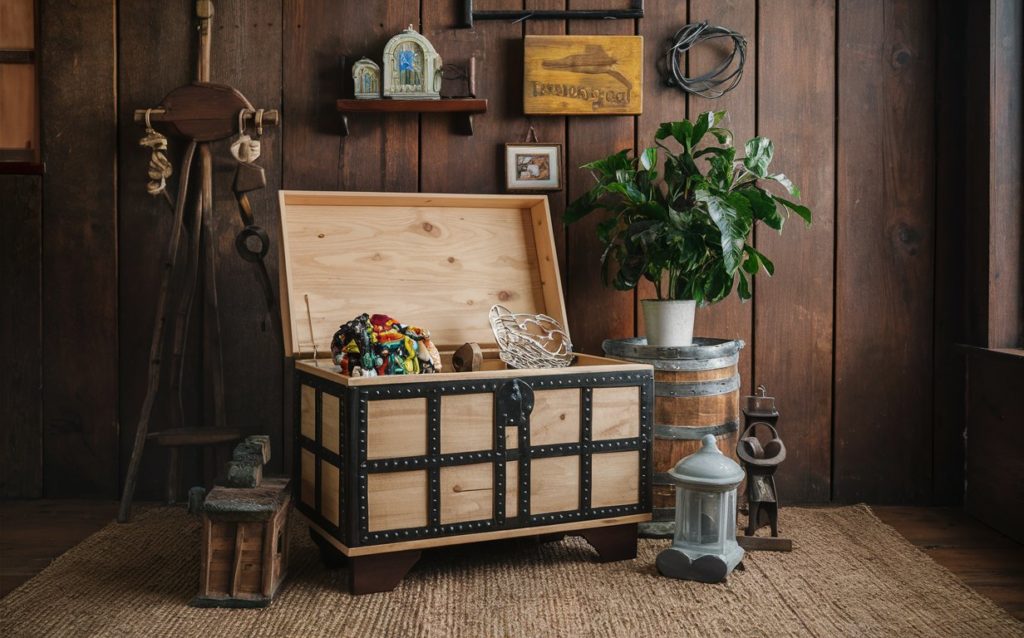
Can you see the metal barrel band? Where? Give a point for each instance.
(701, 349)
(685, 433)
(698, 389)
(689, 365)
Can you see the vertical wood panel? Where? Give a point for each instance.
(21, 433)
(17, 24)
(381, 151)
(884, 251)
(977, 17)
(80, 265)
(18, 110)
(550, 129)
(247, 42)
(995, 474)
(455, 163)
(595, 312)
(145, 74)
(1006, 199)
(793, 317)
(950, 260)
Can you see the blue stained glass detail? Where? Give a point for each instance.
(405, 61)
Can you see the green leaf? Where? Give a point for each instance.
(802, 211)
(680, 132)
(644, 233)
(649, 158)
(733, 217)
(580, 207)
(769, 267)
(750, 264)
(763, 206)
(704, 122)
(715, 150)
(628, 190)
(743, 288)
(631, 269)
(759, 155)
(605, 228)
(723, 135)
(790, 188)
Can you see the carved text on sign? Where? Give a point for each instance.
(583, 75)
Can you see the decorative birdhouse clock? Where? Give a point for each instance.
(412, 68)
(366, 78)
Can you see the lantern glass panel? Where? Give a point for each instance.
(702, 516)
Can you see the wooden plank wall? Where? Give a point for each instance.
(842, 335)
(885, 219)
(80, 248)
(21, 433)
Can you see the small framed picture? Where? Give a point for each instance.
(533, 167)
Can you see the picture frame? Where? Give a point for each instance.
(533, 167)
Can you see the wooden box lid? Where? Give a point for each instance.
(434, 261)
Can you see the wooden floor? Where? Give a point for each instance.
(988, 562)
(33, 533)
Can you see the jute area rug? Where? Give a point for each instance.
(850, 575)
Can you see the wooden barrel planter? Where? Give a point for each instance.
(696, 392)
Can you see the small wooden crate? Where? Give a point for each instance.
(244, 544)
(387, 466)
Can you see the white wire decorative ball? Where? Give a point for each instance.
(530, 341)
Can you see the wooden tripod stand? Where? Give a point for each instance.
(199, 113)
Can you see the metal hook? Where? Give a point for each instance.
(241, 121)
(259, 122)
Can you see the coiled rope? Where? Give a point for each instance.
(719, 80)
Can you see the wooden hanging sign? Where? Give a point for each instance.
(583, 75)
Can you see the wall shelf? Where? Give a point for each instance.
(465, 108)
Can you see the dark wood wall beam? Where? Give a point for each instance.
(80, 256)
(21, 426)
(146, 73)
(950, 285)
(793, 316)
(977, 149)
(884, 251)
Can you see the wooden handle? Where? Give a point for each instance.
(270, 117)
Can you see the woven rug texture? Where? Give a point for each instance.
(849, 575)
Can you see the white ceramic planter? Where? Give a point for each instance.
(669, 323)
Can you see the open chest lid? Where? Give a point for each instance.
(434, 261)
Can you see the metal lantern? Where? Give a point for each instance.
(704, 547)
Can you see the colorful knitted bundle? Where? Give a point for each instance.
(378, 345)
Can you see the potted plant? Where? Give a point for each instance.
(686, 232)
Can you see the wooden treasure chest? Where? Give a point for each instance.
(387, 466)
